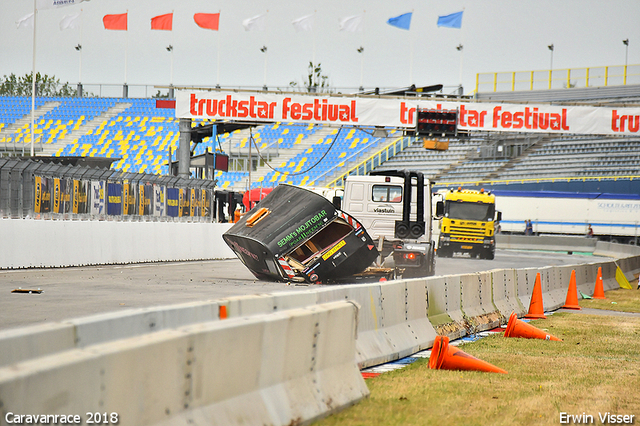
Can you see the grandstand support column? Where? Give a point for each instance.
(184, 152)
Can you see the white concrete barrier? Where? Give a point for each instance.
(445, 309)
(53, 243)
(546, 242)
(44, 339)
(505, 292)
(525, 282)
(284, 368)
(604, 248)
(477, 302)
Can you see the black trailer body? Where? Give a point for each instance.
(297, 235)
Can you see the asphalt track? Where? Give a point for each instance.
(81, 291)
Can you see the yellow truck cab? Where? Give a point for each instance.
(468, 224)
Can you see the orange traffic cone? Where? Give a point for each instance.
(517, 328)
(598, 292)
(536, 307)
(572, 294)
(222, 312)
(446, 357)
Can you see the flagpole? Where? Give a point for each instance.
(461, 88)
(80, 71)
(33, 83)
(172, 42)
(313, 41)
(126, 54)
(410, 55)
(218, 63)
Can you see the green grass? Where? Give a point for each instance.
(595, 369)
(616, 300)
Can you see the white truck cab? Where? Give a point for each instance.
(395, 209)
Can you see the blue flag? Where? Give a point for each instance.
(451, 21)
(402, 21)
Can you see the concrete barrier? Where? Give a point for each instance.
(505, 292)
(288, 367)
(630, 266)
(179, 365)
(52, 243)
(44, 339)
(525, 281)
(546, 242)
(604, 248)
(445, 307)
(477, 302)
(392, 321)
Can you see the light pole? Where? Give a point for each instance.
(460, 48)
(626, 56)
(79, 91)
(170, 50)
(361, 52)
(551, 47)
(263, 49)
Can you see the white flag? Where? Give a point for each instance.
(304, 23)
(70, 21)
(50, 4)
(254, 24)
(25, 21)
(351, 23)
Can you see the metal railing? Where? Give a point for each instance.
(512, 81)
(374, 161)
(31, 189)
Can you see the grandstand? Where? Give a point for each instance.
(140, 138)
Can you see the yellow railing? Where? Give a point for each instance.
(374, 161)
(618, 75)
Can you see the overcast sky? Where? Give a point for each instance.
(497, 35)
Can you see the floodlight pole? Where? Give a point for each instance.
(626, 56)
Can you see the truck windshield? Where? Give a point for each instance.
(469, 211)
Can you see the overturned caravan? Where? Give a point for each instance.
(298, 235)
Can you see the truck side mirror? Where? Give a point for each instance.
(439, 209)
(498, 216)
(337, 202)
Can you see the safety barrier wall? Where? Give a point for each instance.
(546, 242)
(38, 243)
(395, 318)
(283, 368)
(505, 291)
(604, 248)
(56, 243)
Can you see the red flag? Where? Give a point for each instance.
(209, 21)
(162, 22)
(115, 22)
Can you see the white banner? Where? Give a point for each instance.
(354, 111)
(97, 198)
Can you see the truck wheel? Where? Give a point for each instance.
(444, 253)
(489, 255)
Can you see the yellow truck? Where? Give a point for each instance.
(469, 224)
